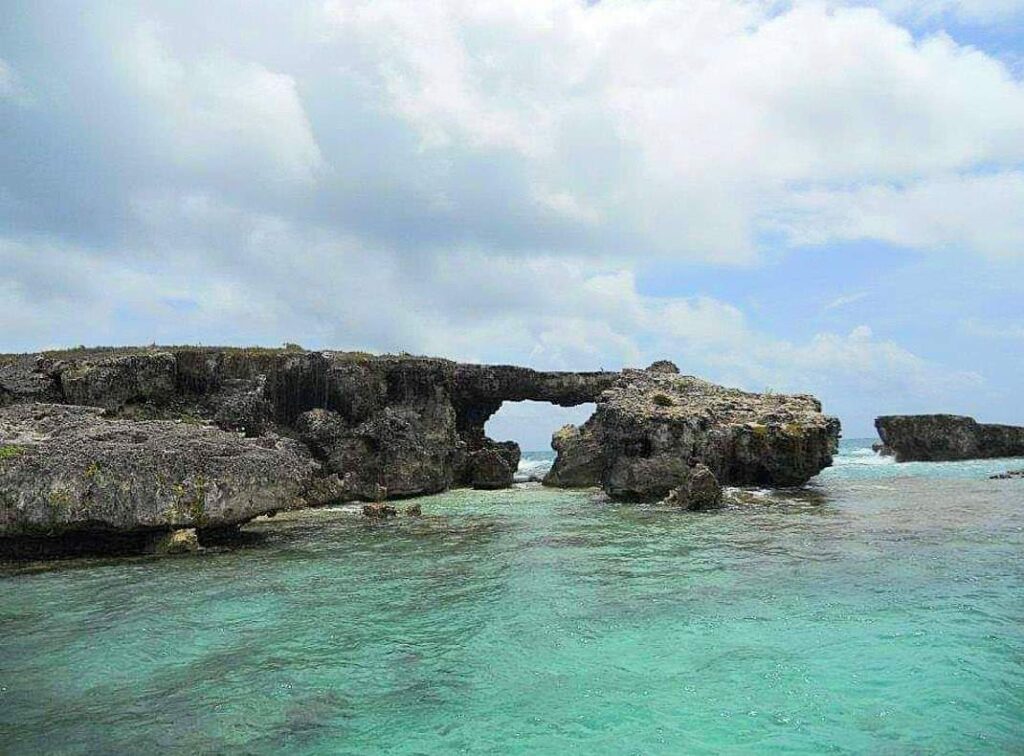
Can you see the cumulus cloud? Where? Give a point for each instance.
(214, 112)
(723, 110)
(485, 179)
(651, 129)
(980, 213)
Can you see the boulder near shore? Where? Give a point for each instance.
(151, 440)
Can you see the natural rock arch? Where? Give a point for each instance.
(370, 427)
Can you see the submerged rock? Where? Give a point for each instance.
(66, 468)
(1008, 475)
(942, 438)
(698, 492)
(379, 510)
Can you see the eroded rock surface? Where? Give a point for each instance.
(379, 510)
(699, 491)
(579, 460)
(652, 426)
(68, 468)
(942, 438)
(342, 426)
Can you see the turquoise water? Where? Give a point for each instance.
(880, 609)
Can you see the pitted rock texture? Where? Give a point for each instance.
(392, 426)
(488, 468)
(579, 460)
(942, 438)
(67, 468)
(698, 492)
(653, 426)
(117, 381)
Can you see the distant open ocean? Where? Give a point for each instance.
(880, 609)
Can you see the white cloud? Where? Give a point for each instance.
(644, 128)
(980, 213)
(484, 179)
(217, 113)
(1012, 330)
(551, 313)
(711, 114)
(846, 299)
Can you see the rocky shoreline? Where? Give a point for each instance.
(146, 441)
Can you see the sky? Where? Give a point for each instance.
(821, 197)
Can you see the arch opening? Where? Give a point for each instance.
(530, 424)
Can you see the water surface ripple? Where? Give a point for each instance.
(880, 609)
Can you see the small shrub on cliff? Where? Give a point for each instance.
(663, 400)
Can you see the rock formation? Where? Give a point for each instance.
(68, 468)
(250, 431)
(652, 426)
(942, 438)
(700, 490)
(379, 510)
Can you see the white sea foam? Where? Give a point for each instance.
(862, 456)
(532, 469)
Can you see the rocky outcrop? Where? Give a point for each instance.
(488, 468)
(115, 382)
(381, 426)
(699, 491)
(942, 438)
(652, 426)
(318, 427)
(579, 460)
(68, 468)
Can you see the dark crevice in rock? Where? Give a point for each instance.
(85, 542)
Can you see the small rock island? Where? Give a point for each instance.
(946, 438)
(144, 441)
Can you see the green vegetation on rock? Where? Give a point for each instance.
(10, 451)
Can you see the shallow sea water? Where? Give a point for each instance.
(879, 609)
